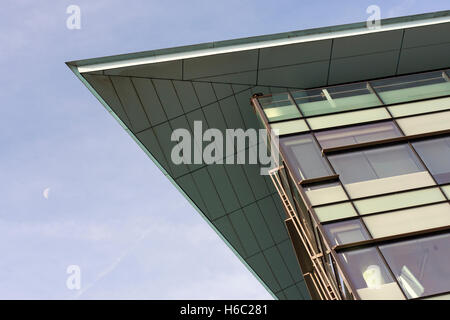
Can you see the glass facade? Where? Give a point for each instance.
(369, 164)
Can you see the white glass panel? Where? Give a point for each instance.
(420, 107)
(326, 195)
(408, 220)
(335, 211)
(287, 127)
(399, 200)
(390, 184)
(341, 119)
(425, 123)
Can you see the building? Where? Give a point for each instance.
(358, 207)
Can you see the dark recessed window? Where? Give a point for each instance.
(357, 134)
(435, 153)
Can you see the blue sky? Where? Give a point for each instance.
(109, 209)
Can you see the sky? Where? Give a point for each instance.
(109, 210)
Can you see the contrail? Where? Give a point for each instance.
(113, 265)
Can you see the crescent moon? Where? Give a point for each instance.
(45, 193)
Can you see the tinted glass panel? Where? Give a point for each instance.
(279, 107)
(375, 163)
(304, 157)
(346, 232)
(436, 155)
(335, 99)
(357, 134)
(369, 275)
(412, 87)
(421, 266)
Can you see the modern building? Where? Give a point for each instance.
(358, 205)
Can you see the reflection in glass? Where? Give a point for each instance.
(369, 276)
(346, 232)
(435, 153)
(412, 87)
(304, 157)
(375, 163)
(421, 266)
(357, 134)
(279, 107)
(335, 99)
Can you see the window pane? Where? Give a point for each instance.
(375, 163)
(446, 190)
(369, 275)
(287, 127)
(335, 211)
(357, 134)
(426, 123)
(347, 118)
(398, 200)
(346, 232)
(325, 193)
(408, 220)
(419, 107)
(279, 107)
(304, 157)
(335, 99)
(435, 153)
(412, 87)
(421, 266)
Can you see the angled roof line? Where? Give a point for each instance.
(279, 39)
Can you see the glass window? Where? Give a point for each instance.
(412, 87)
(287, 127)
(321, 193)
(419, 107)
(398, 200)
(335, 99)
(425, 123)
(435, 153)
(346, 232)
(421, 266)
(446, 190)
(335, 211)
(408, 220)
(347, 118)
(357, 134)
(279, 107)
(375, 163)
(304, 157)
(369, 276)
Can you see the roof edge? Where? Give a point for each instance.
(257, 42)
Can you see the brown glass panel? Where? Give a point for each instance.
(422, 266)
(357, 134)
(435, 153)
